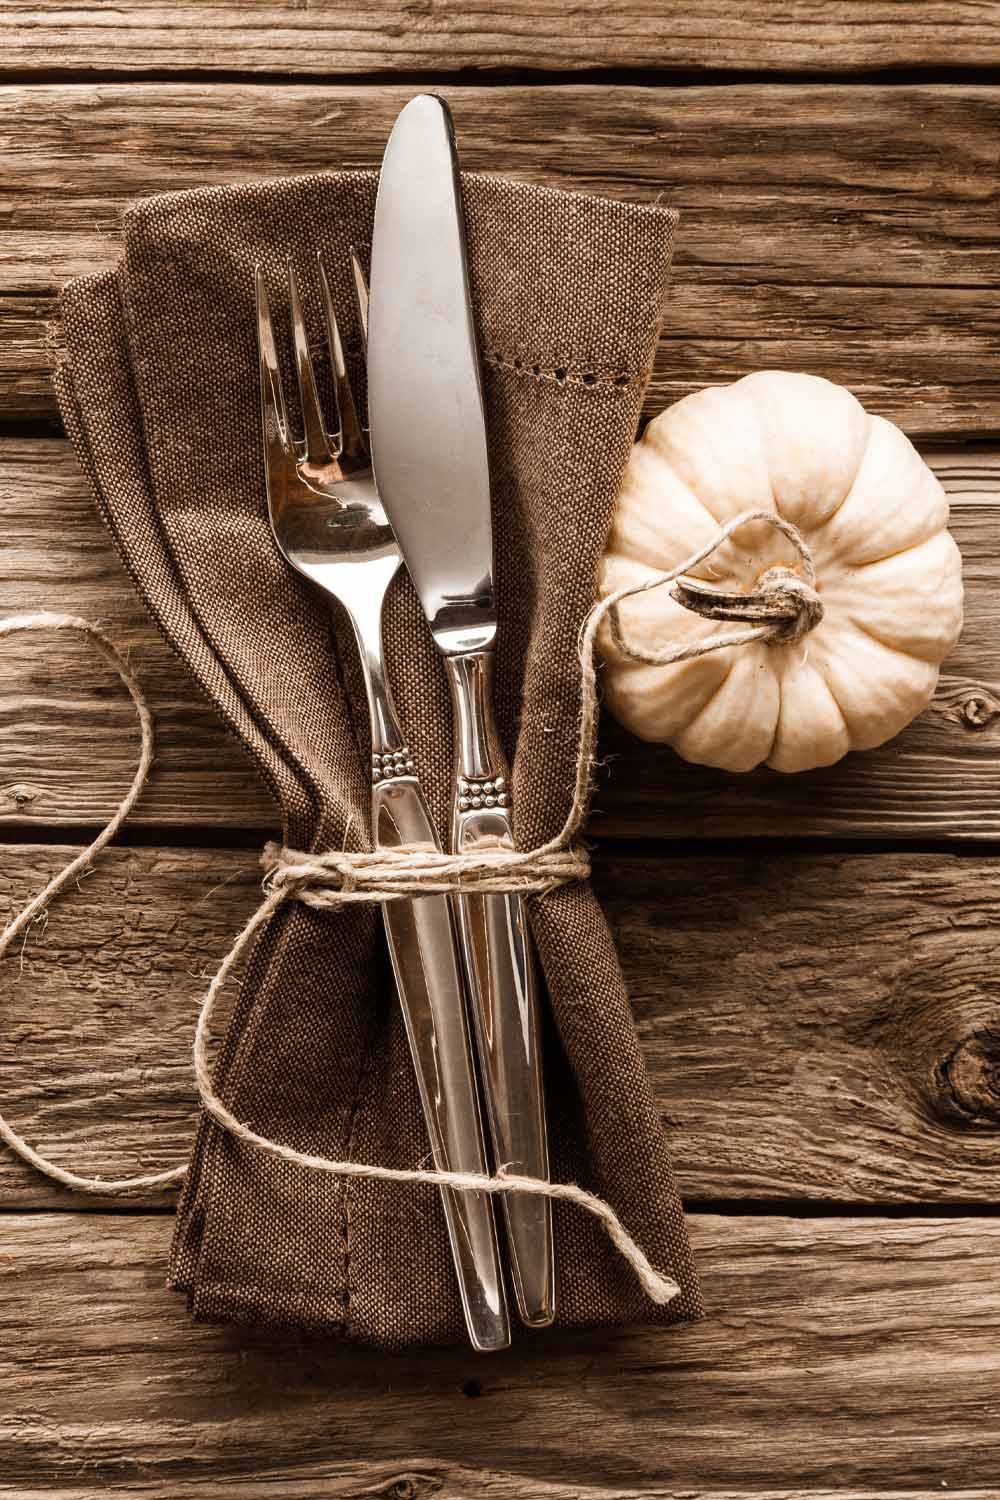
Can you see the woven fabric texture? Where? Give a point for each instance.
(158, 387)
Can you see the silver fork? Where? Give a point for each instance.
(330, 526)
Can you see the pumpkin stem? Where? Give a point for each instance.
(781, 599)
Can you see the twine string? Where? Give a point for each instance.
(782, 609)
(785, 605)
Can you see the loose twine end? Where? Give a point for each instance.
(782, 609)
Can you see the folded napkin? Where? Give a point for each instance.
(158, 388)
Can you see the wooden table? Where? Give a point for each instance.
(812, 959)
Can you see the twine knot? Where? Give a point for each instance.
(782, 600)
(783, 607)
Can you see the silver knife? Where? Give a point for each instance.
(428, 438)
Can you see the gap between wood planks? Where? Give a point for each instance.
(185, 836)
(737, 1208)
(501, 78)
(22, 428)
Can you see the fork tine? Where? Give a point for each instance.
(360, 294)
(271, 398)
(317, 444)
(352, 440)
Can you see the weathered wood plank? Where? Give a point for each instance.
(387, 1481)
(806, 243)
(846, 1356)
(99, 1004)
(816, 1026)
(67, 754)
(396, 37)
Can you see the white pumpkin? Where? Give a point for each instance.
(888, 575)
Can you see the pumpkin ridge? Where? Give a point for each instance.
(873, 635)
(783, 684)
(905, 658)
(839, 706)
(943, 588)
(780, 676)
(729, 658)
(769, 393)
(817, 529)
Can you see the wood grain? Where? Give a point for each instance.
(806, 242)
(840, 1356)
(68, 741)
(816, 1026)
(99, 1006)
(398, 37)
(387, 1481)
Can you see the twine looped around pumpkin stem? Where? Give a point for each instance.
(782, 609)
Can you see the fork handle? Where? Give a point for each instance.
(503, 986)
(428, 974)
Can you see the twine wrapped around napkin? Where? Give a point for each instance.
(159, 392)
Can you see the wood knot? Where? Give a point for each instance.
(19, 795)
(970, 1078)
(409, 1486)
(979, 710)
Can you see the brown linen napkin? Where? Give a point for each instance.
(159, 392)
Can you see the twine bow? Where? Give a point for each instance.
(784, 607)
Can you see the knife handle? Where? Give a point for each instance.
(428, 972)
(503, 987)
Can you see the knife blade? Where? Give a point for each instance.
(429, 452)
